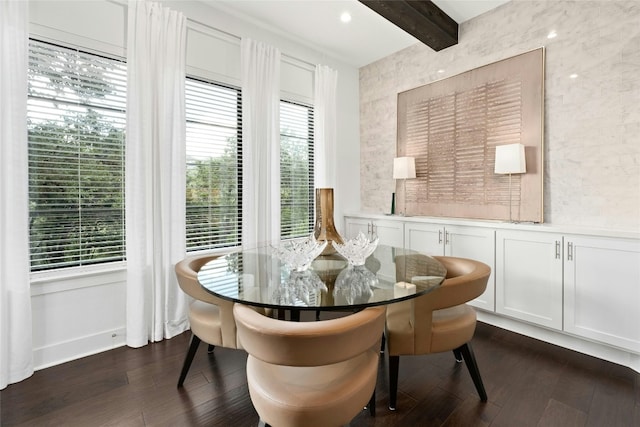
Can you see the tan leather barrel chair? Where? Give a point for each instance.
(438, 321)
(311, 373)
(211, 318)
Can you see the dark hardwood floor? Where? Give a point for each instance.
(529, 383)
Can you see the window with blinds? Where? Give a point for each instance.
(296, 170)
(76, 126)
(214, 165)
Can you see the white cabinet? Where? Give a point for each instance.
(425, 238)
(477, 243)
(584, 285)
(602, 290)
(353, 226)
(529, 276)
(573, 282)
(389, 232)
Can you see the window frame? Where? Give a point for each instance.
(114, 111)
(239, 172)
(310, 138)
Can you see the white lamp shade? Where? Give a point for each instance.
(510, 159)
(404, 168)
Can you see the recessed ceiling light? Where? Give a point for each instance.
(573, 76)
(440, 71)
(345, 17)
(552, 34)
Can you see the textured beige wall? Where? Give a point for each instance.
(592, 122)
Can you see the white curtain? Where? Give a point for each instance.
(260, 143)
(155, 172)
(16, 353)
(326, 81)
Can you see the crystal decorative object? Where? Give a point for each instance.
(299, 288)
(358, 249)
(355, 284)
(298, 254)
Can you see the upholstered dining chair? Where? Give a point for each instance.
(311, 373)
(438, 321)
(211, 318)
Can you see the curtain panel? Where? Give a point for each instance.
(260, 66)
(155, 172)
(16, 352)
(326, 82)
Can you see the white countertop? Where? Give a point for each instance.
(503, 225)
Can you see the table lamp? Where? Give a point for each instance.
(510, 159)
(404, 168)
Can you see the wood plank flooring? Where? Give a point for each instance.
(529, 383)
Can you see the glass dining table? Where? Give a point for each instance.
(257, 277)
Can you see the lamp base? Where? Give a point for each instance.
(393, 203)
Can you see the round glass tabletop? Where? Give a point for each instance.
(257, 277)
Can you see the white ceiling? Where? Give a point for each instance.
(316, 23)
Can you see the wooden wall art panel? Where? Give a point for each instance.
(452, 127)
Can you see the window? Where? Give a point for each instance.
(296, 170)
(76, 123)
(214, 165)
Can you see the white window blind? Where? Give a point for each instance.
(296, 170)
(214, 165)
(76, 123)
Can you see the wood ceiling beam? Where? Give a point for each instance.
(422, 19)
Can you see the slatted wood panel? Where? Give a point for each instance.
(452, 128)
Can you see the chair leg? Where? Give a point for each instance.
(394, 365)
(472, 366)
(383, 343)
(195, 342)
(372, 404)
(210, 348)
(458, 355)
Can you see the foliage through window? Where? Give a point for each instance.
(296, 170)
(76, 123)
(214, 165)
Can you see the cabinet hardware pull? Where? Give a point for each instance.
(369, 226)
(446, 237)
(557, 249)
(569, 251)
(439, 236)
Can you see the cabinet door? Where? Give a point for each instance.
(355, 225)
(529, 276)
(389, 232)
(425, 238)
(602, 290)
(478, 244)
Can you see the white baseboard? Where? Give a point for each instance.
(581, 345)
(62, 352)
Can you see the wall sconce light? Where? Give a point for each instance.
(510, 159)
(404, 168)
